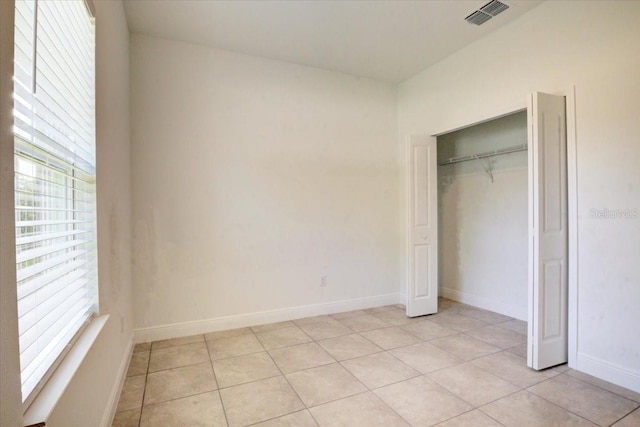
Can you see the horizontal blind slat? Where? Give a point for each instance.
(50, 236)
(46, 250)
(47, 222)
(27, 272)
(27, 287)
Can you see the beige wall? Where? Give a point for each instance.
(252, 179)
(594, 46)
(93, 391)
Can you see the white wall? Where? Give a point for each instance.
(483, 233)
(93, 392)
(594, 46)
(252, 179)
(10, 396)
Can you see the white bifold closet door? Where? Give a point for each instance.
(422, 295)
(548, 236)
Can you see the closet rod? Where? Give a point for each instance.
(492, 153)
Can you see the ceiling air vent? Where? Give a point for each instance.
(486, 12)
(494, 7)
(478, 18)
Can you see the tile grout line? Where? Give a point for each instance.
(389, 406)
(275, 418)
(602, 388)
(391, 383)
(179, 398)
(492, 401)
(360, 394)
(292, 345)
(294, 391)
(483, 412)
(215, 377)
(176, 345)
(588, 383)
(502, 378)
(179, 366)
(339, 399)
(475, 408)
(144, 390)
(249, 382)
(555, 404)
(624, 416)
(237, 336)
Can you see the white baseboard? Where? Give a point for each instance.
(112, 403)
(486, 303)
(402, 299)
(607, 371)
(251, 319)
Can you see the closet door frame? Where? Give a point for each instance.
(572, 203)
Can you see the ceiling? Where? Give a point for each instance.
(384, 40)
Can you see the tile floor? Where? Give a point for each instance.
(461, 367)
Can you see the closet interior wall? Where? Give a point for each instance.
(483, 213)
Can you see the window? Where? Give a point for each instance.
(55, 188)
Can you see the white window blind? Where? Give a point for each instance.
(54, 127)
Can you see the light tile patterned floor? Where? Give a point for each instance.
(462, 367)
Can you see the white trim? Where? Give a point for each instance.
(43, 405)
(485, 303)
(402, 299)
(530, 240)
(607, 371)
(91, 8)
(497, 114)
(407, 219)
(112, 403)
(182, 329)
(572, 217)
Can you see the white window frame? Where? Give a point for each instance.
(42, 141)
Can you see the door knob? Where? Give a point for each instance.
(424, 236)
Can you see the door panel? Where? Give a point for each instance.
(421, 159)
(421, 272)
(548, 235)
(422, 289)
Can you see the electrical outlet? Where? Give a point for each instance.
(323, 281)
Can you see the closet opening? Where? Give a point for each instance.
(493, 227)
(483, 208)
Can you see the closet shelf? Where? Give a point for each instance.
(492, 153)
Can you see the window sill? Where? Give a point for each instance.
(43, 405)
